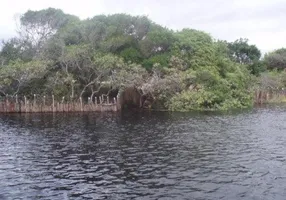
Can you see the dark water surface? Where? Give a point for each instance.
(144, 156)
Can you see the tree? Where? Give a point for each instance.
(195, 47)
(157, 40)
(36, 27)
(14, 49)
(131, 54)
(18, 74)
(75, 63)
(276, 59)
(11, 50)
(90, 71)
(56, 53)
(158, 59)
(243, 53)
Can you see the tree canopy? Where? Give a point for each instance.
(276, 59)
(57, 53)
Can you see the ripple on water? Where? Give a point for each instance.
(144, 156)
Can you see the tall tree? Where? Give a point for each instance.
(36, 27)
(276, 59)
(14, 49)
(244, 53)
(195, 47)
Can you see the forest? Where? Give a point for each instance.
(58, 54)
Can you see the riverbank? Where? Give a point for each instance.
(42, 105)
(104, 104)
(270, 96)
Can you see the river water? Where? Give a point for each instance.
(144, 155)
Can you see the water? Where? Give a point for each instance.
(144, 156)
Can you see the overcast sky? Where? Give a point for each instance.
(263, 22)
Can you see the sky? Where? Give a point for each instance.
(263, 22)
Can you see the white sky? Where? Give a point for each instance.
(263, 22)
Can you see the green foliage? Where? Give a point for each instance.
(36, 27)
(191, 100)
(157, 40)
(272, 80)
(51, 17)
(19, 74)
(71, 34)
(206, 99)
(56, 53)
(14, 49)
(209, 90)
(242, 52)
(131, 55)
(117, 43)
(257, 67)
(195, 47)
(11, 50)
(276, 59)
(53, 49)
(160, 59)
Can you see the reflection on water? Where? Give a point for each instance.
(144, 155)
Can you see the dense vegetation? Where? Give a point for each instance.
(56, 53)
